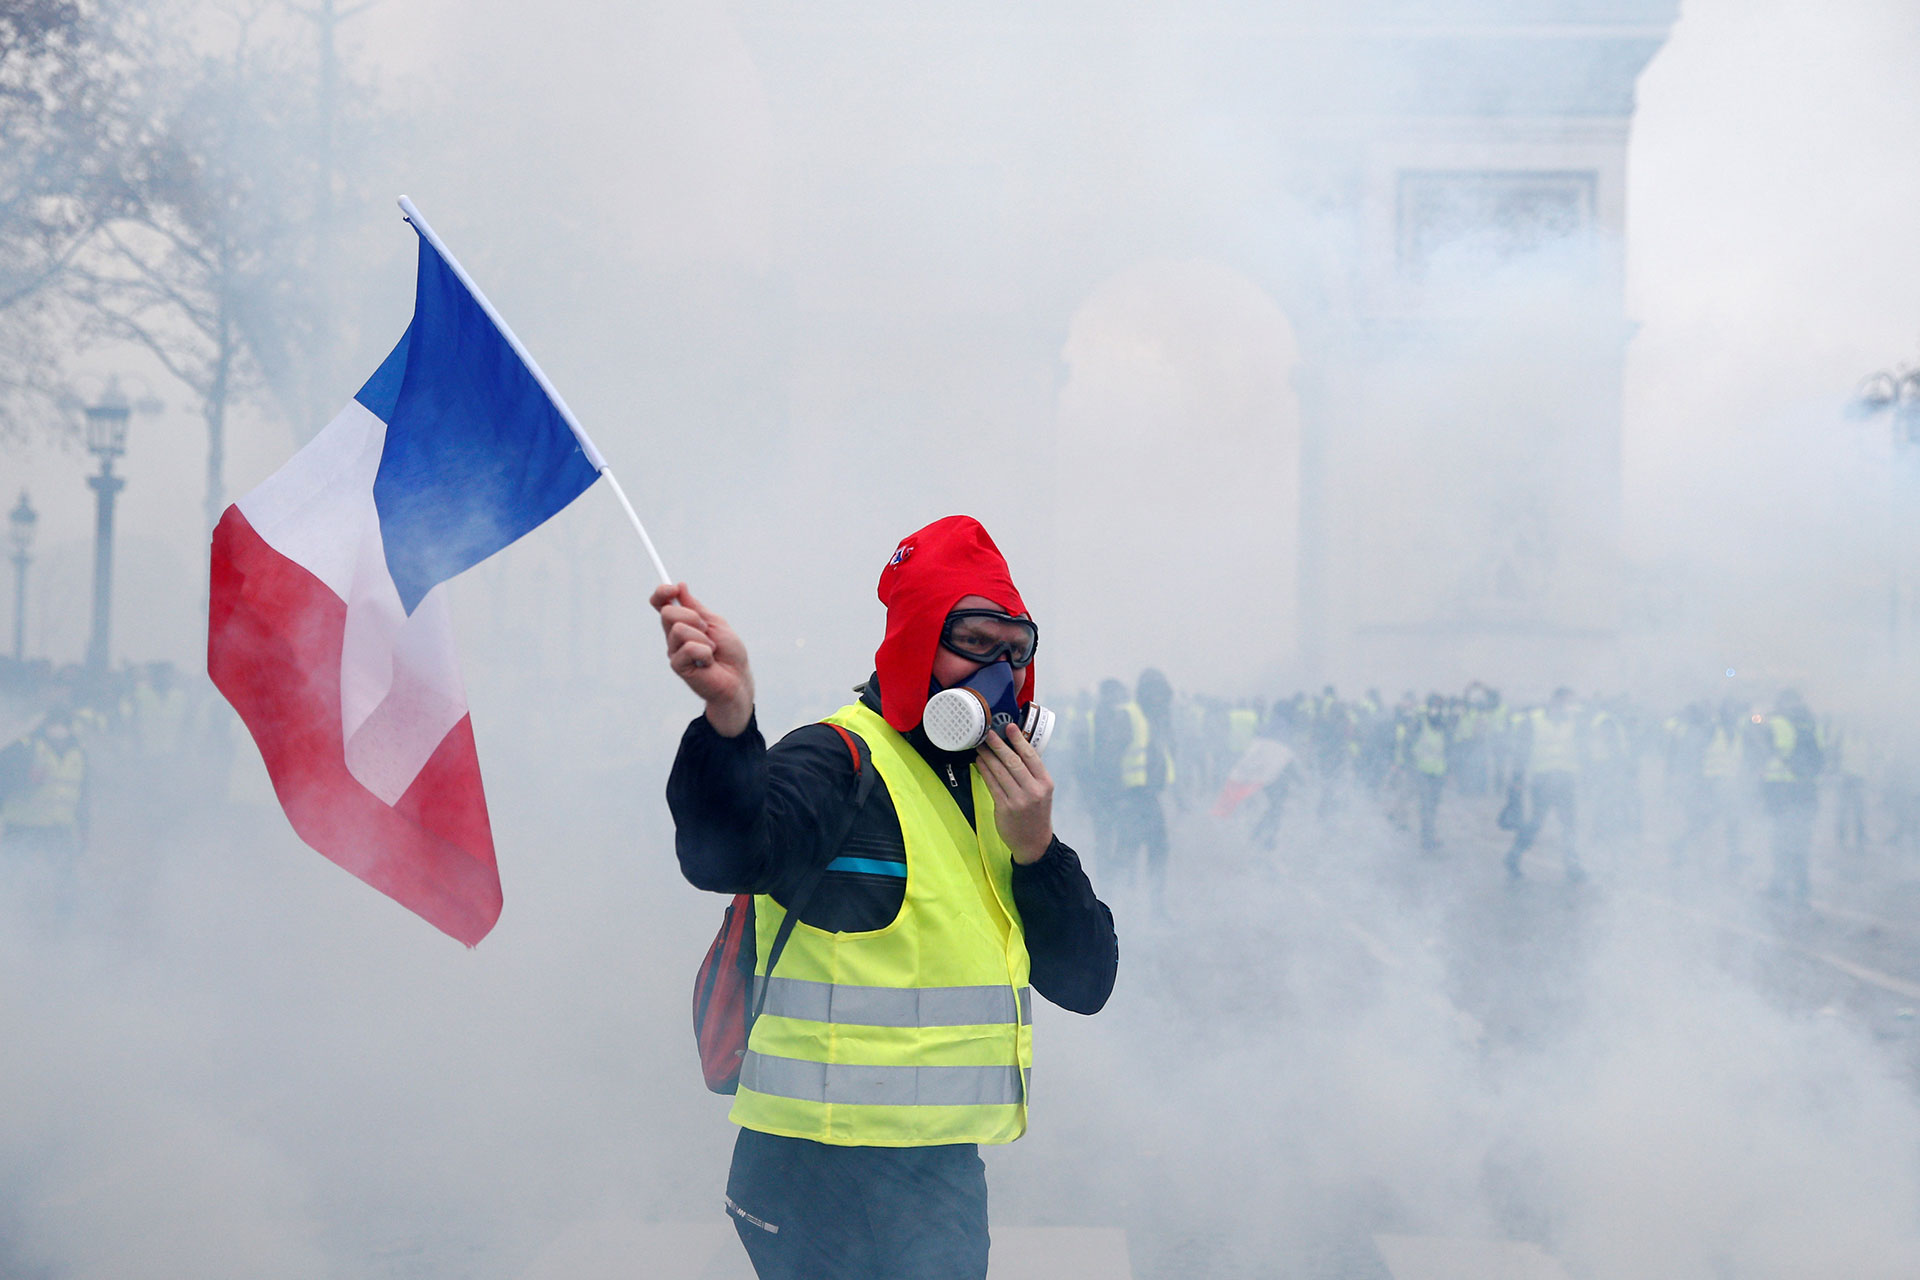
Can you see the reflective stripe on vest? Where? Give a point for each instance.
(1555, 744)
(915, 1034)
(843, 1084)
(893, 1006)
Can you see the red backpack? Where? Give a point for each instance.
(722, 1020)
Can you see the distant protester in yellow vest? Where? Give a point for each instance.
(156, 712)
(1424, 742)
(1113, 729)
(897, 1029)
(1795, 758)
(1146, 771)
(43, 804)
(1552, 751)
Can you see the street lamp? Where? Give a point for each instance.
(1896, 393)
(20, 522)
(106, 440)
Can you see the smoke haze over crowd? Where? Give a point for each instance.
(813, 277)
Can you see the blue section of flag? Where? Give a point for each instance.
(476, 454)
(383, 388)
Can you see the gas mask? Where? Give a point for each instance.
(959, 718)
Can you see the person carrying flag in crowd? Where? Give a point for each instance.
(895, 1037)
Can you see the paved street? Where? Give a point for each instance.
(1343, 1040)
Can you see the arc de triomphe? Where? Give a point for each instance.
(1325, 305)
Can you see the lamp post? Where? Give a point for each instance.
(20, 522)
(1896, 393)
(106, 440)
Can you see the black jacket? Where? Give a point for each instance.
(754, 819)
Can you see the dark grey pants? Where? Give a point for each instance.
(1551, 791)
(1431, 785)
(809, 1211)
(1792, 806)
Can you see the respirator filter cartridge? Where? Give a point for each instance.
(958, 719)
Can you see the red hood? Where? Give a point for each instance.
(930, 572)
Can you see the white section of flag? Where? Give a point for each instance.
(311, 510)
(400, 686)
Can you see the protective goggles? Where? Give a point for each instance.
(987, 635)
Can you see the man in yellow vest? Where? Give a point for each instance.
(1706, 766)
(1612, 772)
(156, 713)
(43, 804)
(1334, 744)
(896, 1031)
(1243, 723)
(1552, 750)
(1790, 788)
(1146, 772)
(1112, 738)
(1846, 765)
(1423, 739)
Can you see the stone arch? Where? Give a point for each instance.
(1178, 447)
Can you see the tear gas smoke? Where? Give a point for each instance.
(812, 282)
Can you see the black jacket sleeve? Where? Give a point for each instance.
(749, 819)
(1070, 936)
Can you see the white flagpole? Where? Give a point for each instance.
(594, 459)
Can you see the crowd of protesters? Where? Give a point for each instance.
(67, 735)
(1700, 784)
(1710, 786)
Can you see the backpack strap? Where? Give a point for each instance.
(863, 787)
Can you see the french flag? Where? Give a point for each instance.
(328, 626)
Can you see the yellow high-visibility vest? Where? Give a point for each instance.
(1242, 724)
(916, 1034)
(159, 721)
(1785, 738)
(1133, 763)
(1429, 751)
(1722, 756)
(1556, 745)
(52, 797)
(1606, 739)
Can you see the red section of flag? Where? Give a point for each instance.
(273, 648)
(1231, 797)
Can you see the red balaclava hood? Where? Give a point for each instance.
(930, 572)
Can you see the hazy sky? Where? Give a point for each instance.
(1771, 256)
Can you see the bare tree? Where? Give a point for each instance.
(71, 146)
(212, 267)
(153, 193)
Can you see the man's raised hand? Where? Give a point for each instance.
(706, 653)
(1022, 793)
